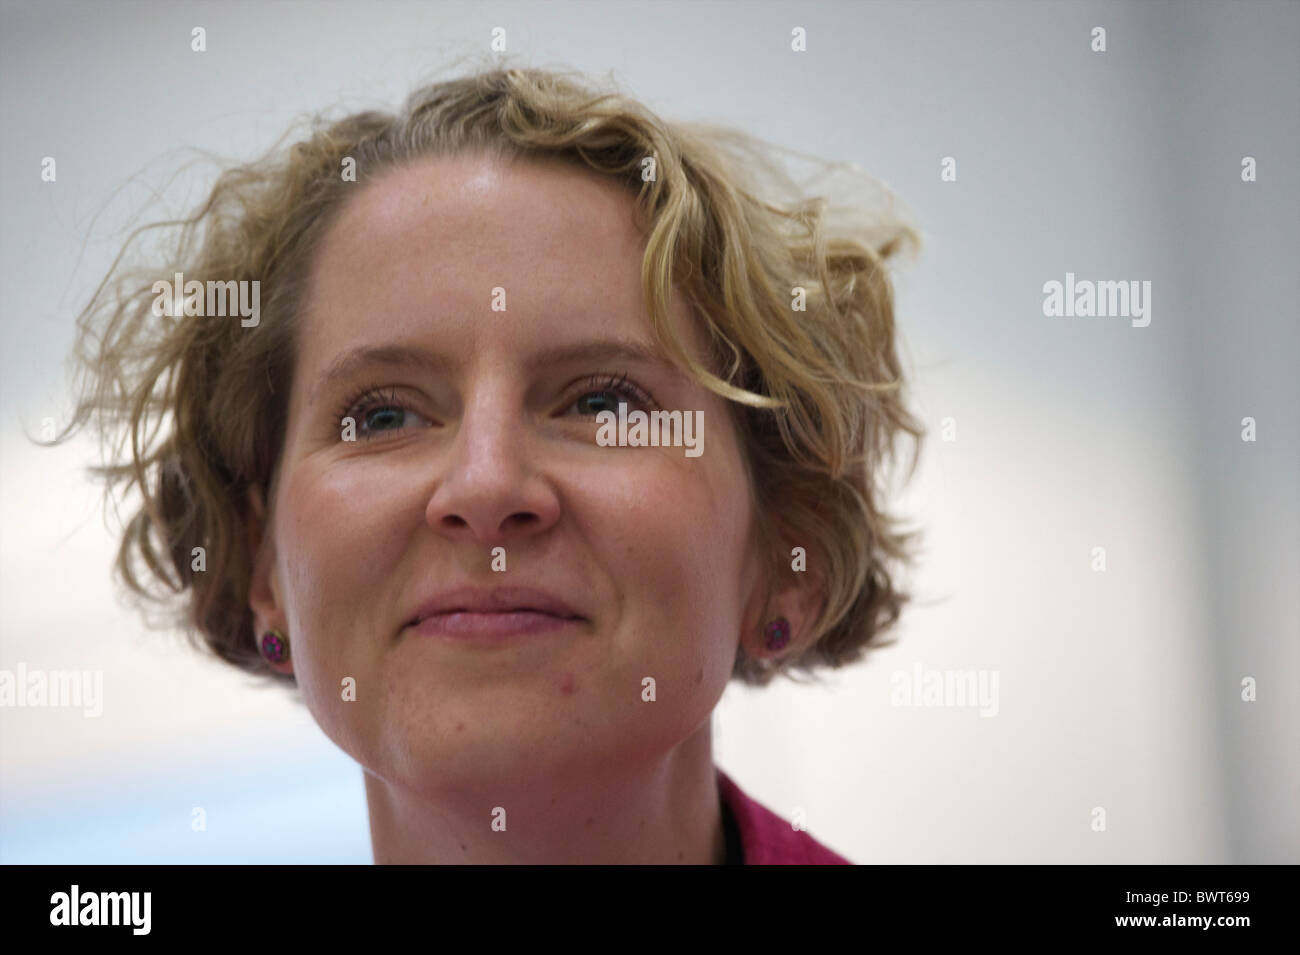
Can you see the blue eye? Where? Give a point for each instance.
(386, 418)
(377, 411)
(608, 400)
(608, 392)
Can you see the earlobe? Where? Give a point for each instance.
(790, 618)
(776, 635)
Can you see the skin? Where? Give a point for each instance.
(655, 549)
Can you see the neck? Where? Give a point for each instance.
(663, 812)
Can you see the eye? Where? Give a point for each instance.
(385, 418)
(378, 411)
(604, 392)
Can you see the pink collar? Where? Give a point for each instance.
(766, 838)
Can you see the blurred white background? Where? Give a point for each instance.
(1118, 689)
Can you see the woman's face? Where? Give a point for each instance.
(458, 311)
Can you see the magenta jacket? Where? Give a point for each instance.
(758, 836)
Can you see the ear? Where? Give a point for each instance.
(798, 594)
(263, 591)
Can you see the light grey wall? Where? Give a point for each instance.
(1119, 690)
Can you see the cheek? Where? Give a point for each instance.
(341, 532)
(674, 533)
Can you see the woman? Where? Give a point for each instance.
(533, 427)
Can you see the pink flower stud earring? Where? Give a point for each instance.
(275, 646)
(777, 634)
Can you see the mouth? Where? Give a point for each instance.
(488, 613)
(494, 623)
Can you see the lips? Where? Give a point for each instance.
(495, 603)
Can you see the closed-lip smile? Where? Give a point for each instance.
(496, 602)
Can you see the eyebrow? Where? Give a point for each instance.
(435, 363)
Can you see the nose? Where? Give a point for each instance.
(490, 492)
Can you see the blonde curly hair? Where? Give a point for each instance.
(192, 413)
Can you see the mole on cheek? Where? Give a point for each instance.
(567, 685)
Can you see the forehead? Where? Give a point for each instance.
(439, 237)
